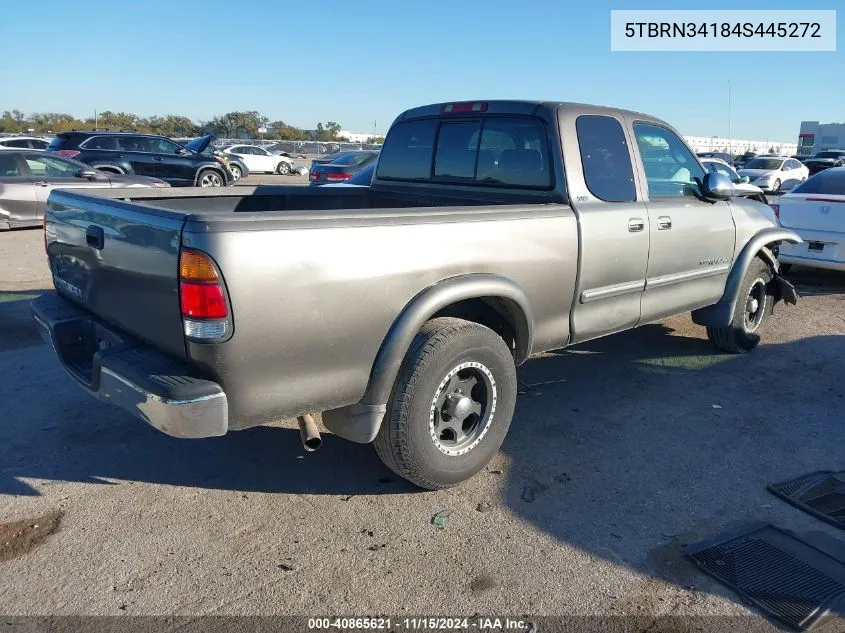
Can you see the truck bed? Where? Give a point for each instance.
(315, 276)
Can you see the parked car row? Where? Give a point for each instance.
(815, 210)
(144, 155)
(818, 162)
(340, 167)
(28, 176)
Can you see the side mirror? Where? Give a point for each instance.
(88, 174)
(718, 187)
(744, 179)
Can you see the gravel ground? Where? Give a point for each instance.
(632, 445)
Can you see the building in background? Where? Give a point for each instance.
(354, 137)
(737, 146)
(815, 137)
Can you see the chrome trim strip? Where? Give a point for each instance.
(617, 290)
(668, 280)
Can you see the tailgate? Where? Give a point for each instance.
(813, 212)
(120, 261)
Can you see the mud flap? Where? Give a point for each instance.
(782, 290)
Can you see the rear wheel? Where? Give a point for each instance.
(753, 307)
(451, 405)
(236, 172)
(209, 178)
(283, 168)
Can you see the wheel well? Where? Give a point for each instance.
(496, 313)
(210, 168)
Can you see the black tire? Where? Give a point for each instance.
(283, 168)
(237, 174)
(743, 334)
(408, 441)
(210, 178)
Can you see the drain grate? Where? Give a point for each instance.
(821, 494)
(774, 570)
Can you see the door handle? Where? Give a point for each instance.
(157, 158)
(635, 225)
(664, 223)
(41, 183)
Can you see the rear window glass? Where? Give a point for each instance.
(407, 152)
(457, 149)
(352, 159)
(493, 151)
(829, 181)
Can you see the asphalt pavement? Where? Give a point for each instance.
(621, 451)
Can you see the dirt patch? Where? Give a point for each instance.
(19, 537)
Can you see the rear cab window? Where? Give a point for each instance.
(491, 151)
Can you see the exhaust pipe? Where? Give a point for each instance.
(308, 432)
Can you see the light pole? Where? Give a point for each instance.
(730, 136)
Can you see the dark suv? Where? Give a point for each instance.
(143, 155)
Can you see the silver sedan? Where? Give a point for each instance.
(27, 177)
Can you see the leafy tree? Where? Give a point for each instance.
(236, 124)
(328, 131)
(172, 125)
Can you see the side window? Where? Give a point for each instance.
(457, 147)
(9, 167)
(48, 166)
(100, 142)
(163, 145)
(670, 168)
(24, 143)
(134, 144)
(38, 144)
(605, 158)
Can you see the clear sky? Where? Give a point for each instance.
(365, 61)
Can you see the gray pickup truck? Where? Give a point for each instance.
(492, 230)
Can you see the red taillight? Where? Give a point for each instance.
(313, 175)
(70, 153)
(200, 293)
(465, 106)
(335, 176)
(203, 301)
(776, 208)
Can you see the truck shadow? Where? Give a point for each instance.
(17, 329)
(626, 447)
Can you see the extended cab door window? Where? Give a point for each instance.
(605, 158)
(670, 168)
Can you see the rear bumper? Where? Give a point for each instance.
(116, 368)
